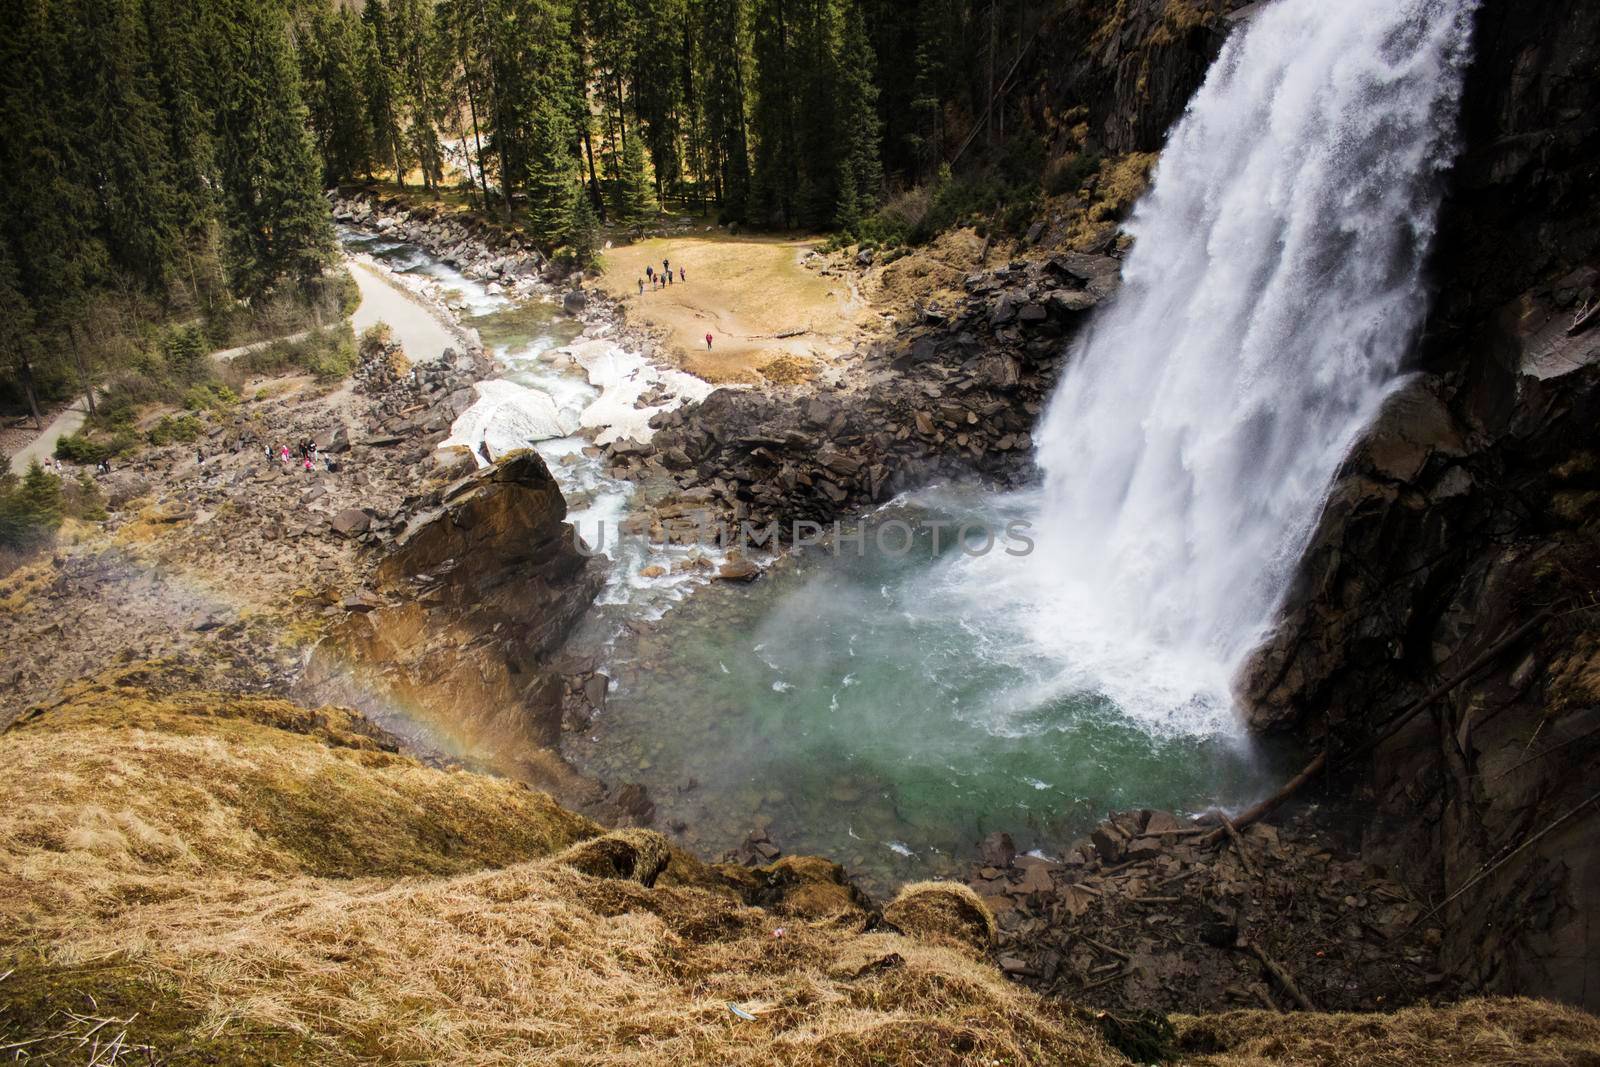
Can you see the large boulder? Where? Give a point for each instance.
(351, 522)
(479, 593)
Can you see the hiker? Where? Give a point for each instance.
(283, 455)
(666, 265)
(308, 462)
(199, 457)
(650, 272)
(641, 286)
(708, 342)
(669, 277)
(683, 275)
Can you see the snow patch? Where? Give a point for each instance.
(507, 416)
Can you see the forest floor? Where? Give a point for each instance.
(774, 310)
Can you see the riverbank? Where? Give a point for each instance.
(774, 310)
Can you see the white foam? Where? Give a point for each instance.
(622, 378)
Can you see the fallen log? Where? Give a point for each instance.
(1103, 947)
(1238, 845)
(1107, 980)
(1276, 970)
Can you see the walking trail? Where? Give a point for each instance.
(424, 336)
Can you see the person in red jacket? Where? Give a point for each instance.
(708, 342)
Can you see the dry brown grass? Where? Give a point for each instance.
(1510, 1032)
(120, 796)
(1120, 182)
(750, 293)
(240, 880)
(943, 911)
(284, 875)
(927, 273)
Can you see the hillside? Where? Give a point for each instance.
(224, 879)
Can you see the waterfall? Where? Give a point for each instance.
(1273, 290)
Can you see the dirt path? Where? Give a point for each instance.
(752, 294)
(43, 446)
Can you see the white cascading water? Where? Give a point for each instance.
(1274, 288)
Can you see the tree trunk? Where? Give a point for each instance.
(83, 371)
(595, 198)
(25, 372)
(477, 142)
(499, 116)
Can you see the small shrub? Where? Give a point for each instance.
(209, 396)
(83, 498)
(77, 448)
(332, 354)
(30, 509)
(348, 293)
(82, 448)
(118, 405)
(182, 428)
(329, 355)
(185, 351)
(375, 337)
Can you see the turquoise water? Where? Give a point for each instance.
(884, 710)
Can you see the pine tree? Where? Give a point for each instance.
(636, 202)
(178, 64)
(535, 75)
(723, 46)
(937, 27)
(17, 338)
(422, 57)
(776, 178)
(552, 176)
(583, 234)
(858, 136)
(378, 80)
(91, 502)
(658, 88)
(818, 79)
(124, 140)
(40, 497)
(331, 64)
(277, 220)
(185, 353)
(47, 208)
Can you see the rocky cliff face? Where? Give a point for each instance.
(1472, 505)
(466, 611)
(1129, 66)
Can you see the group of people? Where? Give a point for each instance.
(306, 455)
(663, 277)
(53, 465)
